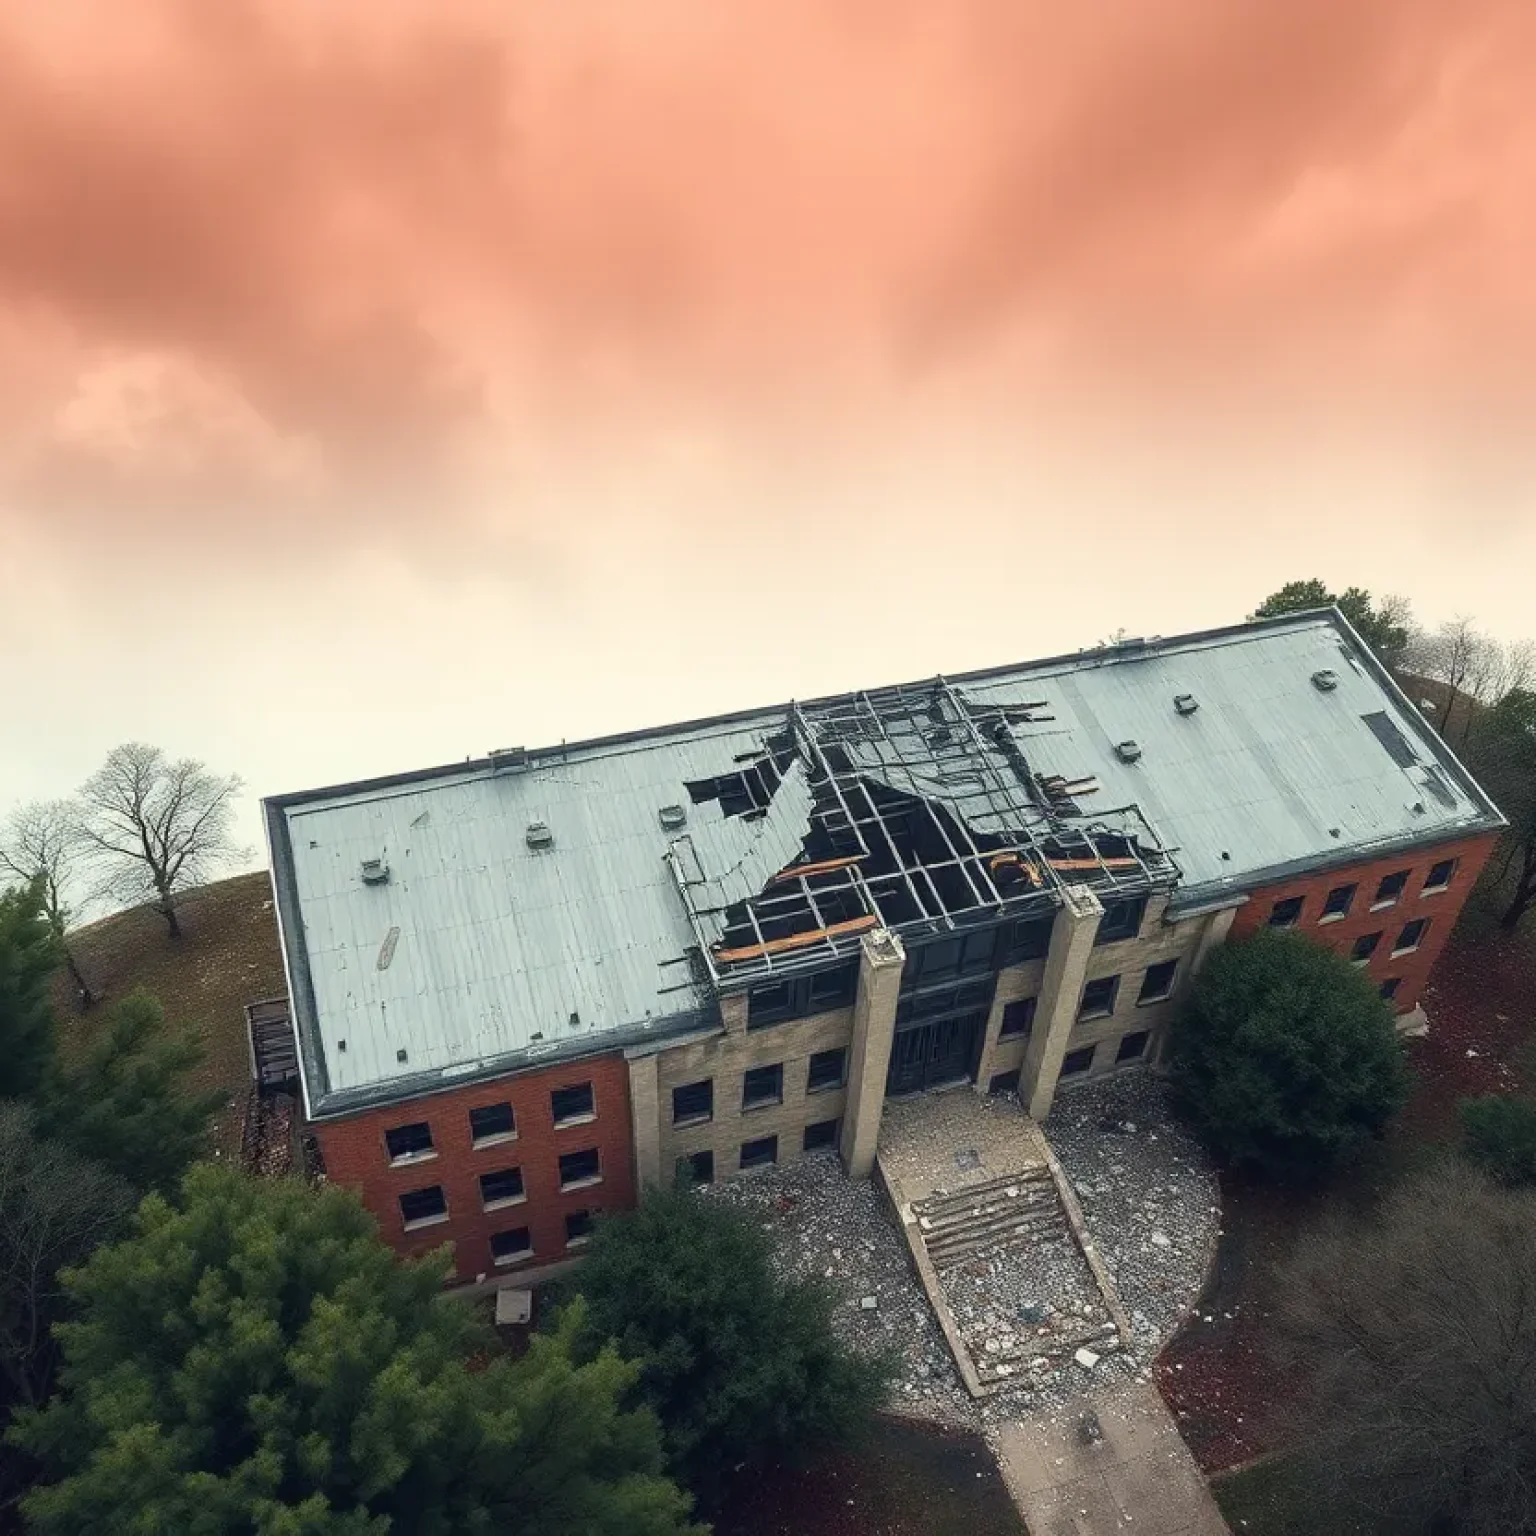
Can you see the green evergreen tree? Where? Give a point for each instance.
(1499, 1135)
(254, 1359)
(127, 1101)
(1285, 1057)
(1386, 626)
(29, 955)
(740, 1365)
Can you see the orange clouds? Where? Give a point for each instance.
(277, 261)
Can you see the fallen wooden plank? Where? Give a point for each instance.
(794, 940)
(825, 867)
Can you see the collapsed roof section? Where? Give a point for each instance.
(911, 808)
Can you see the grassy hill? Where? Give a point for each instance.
(227, 957)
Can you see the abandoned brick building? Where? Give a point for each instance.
(523, 987)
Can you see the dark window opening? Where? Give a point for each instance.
(956, 955)
(1018, 1018)
(693, 1102)
(1389, 987)
(578, 1167)
(1121, 920)
(1340, 899)
(490, 1121)
(825, 1071)
(834, 988)
(943, 1001)
(1027, 939)
(1075, 1063)
(696, 1168)
(1004, 1082)
(578, 1227)
(1286, 913)
(1099, 998)
(1392, 886)
(822, 1134)
(1439, 875)
(1411, 936)
(572, 1103)
(503, 1185)
(1157, 984)
(1365, 946)
(510, 1246)
(799, 996)
(418, 1206)
(759, 1153)
(1133, 1046)
(762, 1085)
(408, 1141)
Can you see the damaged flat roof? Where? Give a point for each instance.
(434, 935)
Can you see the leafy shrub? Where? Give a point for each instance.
(1499, 1135)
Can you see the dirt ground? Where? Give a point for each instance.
(227, 957)
(1218, 1377)
(904, 1480)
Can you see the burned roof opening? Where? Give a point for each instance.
(922, 815)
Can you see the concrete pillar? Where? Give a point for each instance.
(645, 1119)
(1066, 966)
(881, 959)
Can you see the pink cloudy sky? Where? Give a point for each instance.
(381, 383)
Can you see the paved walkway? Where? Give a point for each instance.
(1136, 1477)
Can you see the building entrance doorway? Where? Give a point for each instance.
(934, 1053)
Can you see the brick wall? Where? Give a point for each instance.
(355, 1155)
(1441, 909)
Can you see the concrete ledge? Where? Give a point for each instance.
(1069, 1203)
(929, 1279)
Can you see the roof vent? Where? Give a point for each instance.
(673, 817)
(1185, 703)
(1326, 680)
(1127, 751)
(503, 758)
(374, 872)
(538, 835)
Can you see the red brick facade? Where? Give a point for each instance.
(1441, 908)
(356, 1155)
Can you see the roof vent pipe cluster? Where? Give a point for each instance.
(374, 872)
(1326, 680)
(1127, 751)
(673, 817)
(538, 836)
(1185, 703)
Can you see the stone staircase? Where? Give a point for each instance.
(983, 1219)
(968, 1231)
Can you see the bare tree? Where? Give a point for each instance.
(1416, 1334)
(41, 841)
(1452, 654)
(155, 826)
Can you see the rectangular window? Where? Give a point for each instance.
(578, 1228)
(573, 1105)
(1099, 998)
(579, 1168)
(1027, 939)
(491, 1123)
(1004, 1082)
(1389, 987)
(1411, 936)
(1287, 912)
(762, 1085)
(693, 1103)
(423, 1207)
(1075, 1063)
(1157, 984)
(801, 996)
(825, 1071)
(504, 1187)
(1133, 1047)
(1365, 947)
(759, 1153)
(1439, 876)
(409, 1143)
(1390, 889)
(1121, 920)
(699, 1168)
(512, 1246)
(822, 1134)
(1340, 899)
(1018, 1018)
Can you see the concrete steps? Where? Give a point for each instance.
(1011, 1211)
